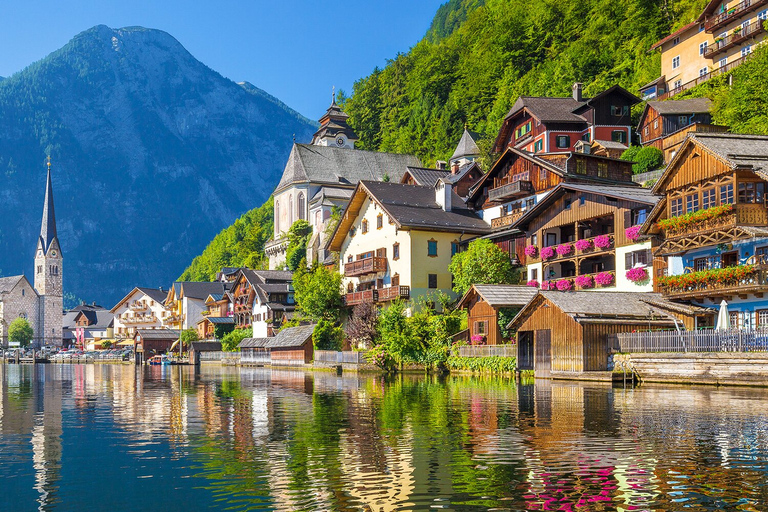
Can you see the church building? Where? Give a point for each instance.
(42, 304)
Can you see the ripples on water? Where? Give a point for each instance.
(99, 437)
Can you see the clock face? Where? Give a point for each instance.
(339, 141)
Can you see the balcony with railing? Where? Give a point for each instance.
(363, 297)
(738, 36)
(369, 265)
(137, 305)
(703, 78)
(716, 283)
(727, 16)
(393, 292)
(716, 218)
(520, 188)
(506, 220)
(583, 247)
(140, 319)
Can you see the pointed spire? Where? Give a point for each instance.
(48, 228)
(333, 95)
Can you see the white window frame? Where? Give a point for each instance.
(676, 62)
(703, 47)
(746, 50)
(703, 71)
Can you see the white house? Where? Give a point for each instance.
(141, 308)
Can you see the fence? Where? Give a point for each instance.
(705, 340)
(647, 176)
(253, 356)
(487, 351)
(345, 357)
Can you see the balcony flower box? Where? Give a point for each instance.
(674, 224)
(533, 283)
(531, 251)
(604, 278)
(564, 249)
(715, 276)
(584, 282)
(564, 285)
(602, 241)
(583, 245)
(477, 339)
(632, 233)
(548, 285)
(637, 275)
(547, 252)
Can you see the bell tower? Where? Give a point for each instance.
(334, 130)
(48, 273)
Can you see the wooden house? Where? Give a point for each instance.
(198, 347)
(567, 333)
(581, 233)
(150, 342)
(461, 177)
(712, 225)
(253, 352)
(483, 303)
(606, 148)
(290, 347)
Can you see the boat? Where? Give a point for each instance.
(159, 361)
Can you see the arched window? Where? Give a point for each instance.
(290, 210)
(300, 205)
(277, 217)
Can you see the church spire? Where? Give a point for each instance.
(48, 228)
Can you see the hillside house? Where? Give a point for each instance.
(89, 325)
(186, 302)
(141, 308)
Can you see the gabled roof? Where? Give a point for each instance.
(270, 276)
(341, 166)
(158, 334)
(220, 320)
(467, 145)
(291, 337)
(736, 150)
(205, 346)
(676, 33)
(609, 144)
(201, 291)
(409, 206)
(676, 107)
(158, 295)
(9, 283)
(463, 171)
(253, 343)
(632, 194)
(500, 295)
(549, 109)
(424, 176)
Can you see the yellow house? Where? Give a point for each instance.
(397, 240)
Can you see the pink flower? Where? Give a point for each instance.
(632, 233)
(565, 285)
(533, 283)
(602, 241)
(583, 245)
(531, 251)
(547, 252)
(585, 281)
(564, 249)
(637, 274)
(604, 278)
(547, 285)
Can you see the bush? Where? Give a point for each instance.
(20, 331)
(495, 364)
(327, 336)
(188, 336)
(106, 344)
(230, 342)
(648, 159)
(630, 154)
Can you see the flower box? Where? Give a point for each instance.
(604, 278)
(585, 282)
(547, 253)
(531, 251)
(548, 285)
(729, 276)
(564, 285)
(583, 245)
(632, 233)
(675, 224)
(533, 283)
(564, 249)
(602, 241)
(637, 275)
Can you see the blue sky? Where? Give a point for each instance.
(294, 49)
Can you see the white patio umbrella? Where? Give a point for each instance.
(723, 318)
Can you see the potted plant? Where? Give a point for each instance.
(533, 283)
(564, 285)
(531, 251)
(602, 241)
(584, 282)
(583, 244)
(637, 275)
(548, 285)
(564, 249)
(604, 278)
(632, 233)
(547, 252)
(477, 339)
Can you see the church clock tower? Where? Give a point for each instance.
(48, 274)
(334, 130)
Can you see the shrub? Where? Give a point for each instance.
(380, 357)
(647, 159)
(495, 364)
(327, 335)
(230, 342)
(630, 154)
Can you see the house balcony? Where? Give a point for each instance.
(506, 220)
(364, 297)
(593, 246)
(717, 284)
(243, 308)
(140, 319)
(173, 318)
(703, 78)
(735, 38)
(724, 18)
(393, 292)
(137, 306)
(676, 138)
(370, 265)
(512, 190)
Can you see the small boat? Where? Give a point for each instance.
(159, 361)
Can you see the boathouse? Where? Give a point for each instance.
(198, 347)
(149, 342)
(567, 333)
(253, 351)
(290, 347)
(483, 303)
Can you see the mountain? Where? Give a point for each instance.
(480, 55)
(153, 154)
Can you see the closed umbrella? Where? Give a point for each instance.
(723, 318)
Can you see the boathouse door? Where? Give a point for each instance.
(543, 362)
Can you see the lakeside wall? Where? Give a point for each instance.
(718, 368)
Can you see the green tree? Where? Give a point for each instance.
(298, 238)
(106, 344)
(221, 330)
(327, 335)
(646, 159)
(630, 154)
(188, 336)
(20, 332)
(318, 293)
(482, 263)
(230, 341)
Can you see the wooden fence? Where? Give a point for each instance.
(704, 340)
(487, 351)
(345, 357)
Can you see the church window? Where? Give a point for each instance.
(301, 205)
(277, 217)
(290, 209)
(39, 269)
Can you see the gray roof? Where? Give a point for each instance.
(687, 106)
(549, 109)
(416, 207)
(48, 228)
(467, 145)
(97, 319)
(276, 287)
(332, 193)
(464, 169)
(274, 275)
(253, 343)
(506, 295)
(158, 334)
(609, 144)
(156, 294)
(291, 337)
(198, 290)
(8, 283)
(427, 177)
(205, 346)
(220, 319)
(739, 150)
(340, 166)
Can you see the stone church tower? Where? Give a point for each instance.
(48, 274)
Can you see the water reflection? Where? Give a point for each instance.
(93, 437)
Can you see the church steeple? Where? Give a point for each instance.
(48, 228)
(334, 130)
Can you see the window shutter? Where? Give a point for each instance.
(647, 257)
(627, 219)
(628, 260)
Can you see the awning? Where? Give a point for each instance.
(125, 343)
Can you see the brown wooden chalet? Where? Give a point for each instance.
(269, 290)
(553, 124)
(574, 212)
(483, 303)
(666, 124)
(462, 178)
(716, 186)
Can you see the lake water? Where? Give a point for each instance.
(111, 438)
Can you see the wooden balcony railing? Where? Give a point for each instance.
(512, 190)
(755, 281)
(725, 17)
(393, 292)
(367, 296)
(506, 220)
(592, 250)
(736, 37)
(742, 214)
(138, 306)
(676, 138)
(140, 319)
(364, 266)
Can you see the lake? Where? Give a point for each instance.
(110, 437)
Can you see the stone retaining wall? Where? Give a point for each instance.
(721, 368)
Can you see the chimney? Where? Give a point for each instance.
(443, 192)
(577, 91)
(441, 165)
(455, 167)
